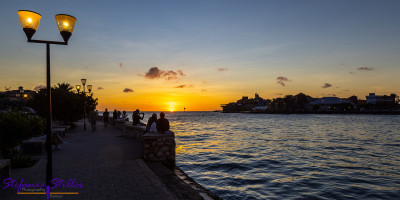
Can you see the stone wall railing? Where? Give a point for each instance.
(136, 131)
(160, 147)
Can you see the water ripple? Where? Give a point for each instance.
(253, 156)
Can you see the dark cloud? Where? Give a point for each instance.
(37, 88)
(279, 94)
(222, 69)
(126, 90)
(204, 90)
(100, 88)
(365, 68)
(281, 80)
(351, 72)
(155, 73)
(184, 86)
(327, 85)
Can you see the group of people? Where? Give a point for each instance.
(153, 124)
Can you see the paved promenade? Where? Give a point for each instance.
(107, 165)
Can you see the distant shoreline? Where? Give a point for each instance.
(325, 112)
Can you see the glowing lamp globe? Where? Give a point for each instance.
(78, 87)
(29, 21)
(89, 87)
(66, 24)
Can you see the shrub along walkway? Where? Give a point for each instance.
(108, 166)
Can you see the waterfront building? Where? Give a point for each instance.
(331, 104)
(13, 97)
(377, 99)
(247, 105)
(381, 102)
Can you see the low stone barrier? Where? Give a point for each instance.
(34, 145)
(160, 147)
(120, 124)
(5, 168)
(135, 131)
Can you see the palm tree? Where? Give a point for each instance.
(65, 86)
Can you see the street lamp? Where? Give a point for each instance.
(78, 88)
(21, 90)
(30, 22)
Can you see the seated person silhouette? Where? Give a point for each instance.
(152, 124)
(162, 123)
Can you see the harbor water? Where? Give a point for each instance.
(262, 156)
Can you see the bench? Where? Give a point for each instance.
(34, 145)
(59, 131)
(67, 128)
(5, 169)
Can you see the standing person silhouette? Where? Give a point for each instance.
(162, 123)
(115, 115)
(105, 117)
(136, 117)
(93, 118)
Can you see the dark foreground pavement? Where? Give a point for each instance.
(108, 165)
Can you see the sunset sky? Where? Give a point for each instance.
(167, 55)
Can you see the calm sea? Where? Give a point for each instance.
(260, 156)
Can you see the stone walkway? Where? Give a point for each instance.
(108, 165)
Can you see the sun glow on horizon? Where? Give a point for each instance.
(171, 106)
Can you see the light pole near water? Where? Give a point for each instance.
(89, 87)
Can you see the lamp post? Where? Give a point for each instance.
(30, 21)
(20, 94)
(78, 88)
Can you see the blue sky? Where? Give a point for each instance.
(352, 45)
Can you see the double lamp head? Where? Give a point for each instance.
(30, 22)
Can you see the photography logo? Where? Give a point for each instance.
(41, 188)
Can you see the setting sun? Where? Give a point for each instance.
(171, 106)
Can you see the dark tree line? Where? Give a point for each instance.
(15, 127)
(67, 105)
